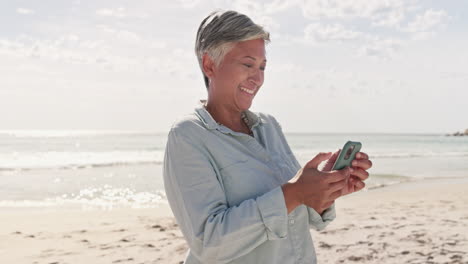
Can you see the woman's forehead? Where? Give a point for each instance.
(250, 49)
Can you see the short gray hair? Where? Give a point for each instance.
(219, 32)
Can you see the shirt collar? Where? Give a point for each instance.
(253, 118)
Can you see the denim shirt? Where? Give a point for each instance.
(224, 188)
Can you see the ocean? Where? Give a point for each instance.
(111, 169)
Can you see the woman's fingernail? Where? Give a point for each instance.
(354, 163)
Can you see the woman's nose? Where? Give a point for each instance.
(256, 77)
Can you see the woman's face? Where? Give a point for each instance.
(239, 76)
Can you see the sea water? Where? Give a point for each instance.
(112, 169)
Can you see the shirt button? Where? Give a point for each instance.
(291, 221)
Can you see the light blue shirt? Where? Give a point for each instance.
(224, 188)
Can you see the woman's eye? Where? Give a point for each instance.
(262, 68)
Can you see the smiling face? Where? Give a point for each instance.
(237, 79)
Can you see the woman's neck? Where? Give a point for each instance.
(227, 117)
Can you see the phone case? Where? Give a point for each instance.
(347, 155)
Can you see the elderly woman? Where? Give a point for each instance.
(233, 183)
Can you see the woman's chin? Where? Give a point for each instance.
(245, 104)
(245, 101)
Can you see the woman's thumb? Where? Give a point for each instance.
(313, 163)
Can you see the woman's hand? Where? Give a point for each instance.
(360, 166)
(314, 188)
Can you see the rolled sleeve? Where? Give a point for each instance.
(274, 213)
(319, 222)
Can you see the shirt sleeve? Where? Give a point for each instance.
(316, 221)
(215, 232)
(319, 222)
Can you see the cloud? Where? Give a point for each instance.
(333, 32)
(392, 19)
(122, 35)
(427, 21)
(24, 11)
(67, 49)
(404, 20)
(380, 48)
(286, 67)
(261, 13)
(115, 12)
(113, 51)
(188, 3)
(372, 9)
(175, 63)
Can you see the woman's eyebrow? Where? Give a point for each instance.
(250, 57)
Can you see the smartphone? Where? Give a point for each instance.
(347, 155)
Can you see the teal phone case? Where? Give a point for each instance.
(347, 155)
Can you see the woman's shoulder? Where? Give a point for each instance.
(189, 124)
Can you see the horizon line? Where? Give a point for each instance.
(145, 131)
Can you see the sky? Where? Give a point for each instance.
(336, 66)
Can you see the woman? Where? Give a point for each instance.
(233, 184)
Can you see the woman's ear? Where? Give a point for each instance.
(208, 66)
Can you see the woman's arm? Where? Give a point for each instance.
(214, 231)
(316, 220)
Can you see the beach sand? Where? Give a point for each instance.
(416, 222)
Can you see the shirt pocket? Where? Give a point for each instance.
(246, 179)
(286, 166)
(233, 162)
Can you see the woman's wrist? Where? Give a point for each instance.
(292, 196)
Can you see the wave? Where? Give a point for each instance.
(77, 160)
(104, 198)
(78, 167)
(420, 155)
(72, 133)
(14, 161)
(382, 180)
(394, 155)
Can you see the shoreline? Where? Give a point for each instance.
(421, 221)
(58, 204)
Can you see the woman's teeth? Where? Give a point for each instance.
(247, 90)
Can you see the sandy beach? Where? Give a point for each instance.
(415, 222)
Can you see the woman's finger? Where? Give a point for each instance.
(313, 163)
(360, 174)
(364, 164)
(359, 185)
(362, 155)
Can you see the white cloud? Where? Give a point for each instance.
(24, 11)
(258, 12)
(392, 19)
(123, 35)
(374, 9)
(427, 21)
(115, 12)
(175, 63)
(287, 67)
(66, 49)
(334, 32)
(273, 7)
(188, 3)
(380, 48)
